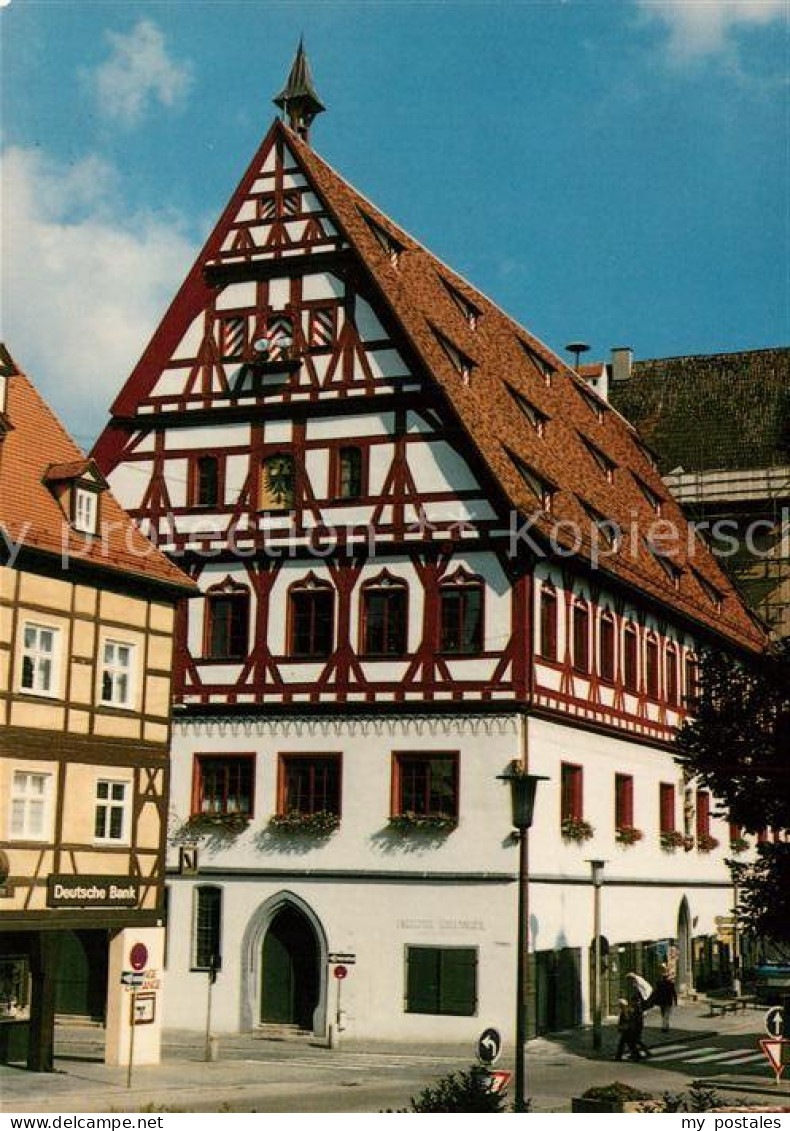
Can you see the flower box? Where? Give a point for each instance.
(707, 843)
(576, 829)
(293, 823)
(614, 1097)
(216, 824)
(738, 844)
(628, 835)
(673, 839)
(421, 823)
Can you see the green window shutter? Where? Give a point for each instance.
(422, 979)
(458, 981)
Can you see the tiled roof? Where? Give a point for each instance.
(30, 512)
(478, 363)
(73, 469)
(502, 352)
(718, 411)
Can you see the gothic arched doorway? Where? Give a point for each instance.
(290, 970)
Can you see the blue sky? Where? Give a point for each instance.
(611, 171)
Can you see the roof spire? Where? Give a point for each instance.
(298, 99)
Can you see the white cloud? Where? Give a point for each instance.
(138, 73)
(85, 281)
(706, 27)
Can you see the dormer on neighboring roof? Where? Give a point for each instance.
(7, 369)
(78, 486)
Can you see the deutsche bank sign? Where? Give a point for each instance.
(92, 891)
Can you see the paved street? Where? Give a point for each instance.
(277, 1076)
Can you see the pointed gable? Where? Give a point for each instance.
(292, 212)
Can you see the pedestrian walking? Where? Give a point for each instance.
(630, 1023)
(665, 996)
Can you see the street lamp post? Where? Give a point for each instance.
(522, 797)
(596, 868)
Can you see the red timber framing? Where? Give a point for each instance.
(292, 316)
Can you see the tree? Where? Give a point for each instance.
(736, 743)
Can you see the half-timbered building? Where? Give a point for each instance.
(86, 641)
(426, 549)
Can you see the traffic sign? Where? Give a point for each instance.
(345, 959)
(138, 956)
(774, 1022)
(489, 1046)
(777, 1053)
(132, 978)
(499, 1080)
(340, 972)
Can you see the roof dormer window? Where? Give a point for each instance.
(85, 510)
(543, 367)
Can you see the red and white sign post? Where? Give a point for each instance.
(777, 1053)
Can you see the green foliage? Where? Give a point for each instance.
(459, 1091)
(616, 1092)
(321, 823)
(421, 822)
(697, 1098)
(736, 744)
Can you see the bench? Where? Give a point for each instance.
(724, 1005)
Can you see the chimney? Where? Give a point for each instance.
(622, 360)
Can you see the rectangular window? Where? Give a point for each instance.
(39, 659)
(461, 619)
(312, 622)
(441, 980)
(30, 805)
(227, 625)
(111, 806)
(548, 623)
(703, 814)
(426, 785)
(86, 510)
(571, 799)
(206, 486)
(692, 677)
(223, 784)
(207, 937)
(384, 620)
(607, 648)
(309, 783)
(349, 476)
(666, 807)
(117, 674)
(672, 677)
(623, 801)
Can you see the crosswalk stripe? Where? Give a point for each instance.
(722, 1056)
(682, 1054)
(669, 1048)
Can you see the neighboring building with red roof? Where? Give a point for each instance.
(87, 608)
(426, 550)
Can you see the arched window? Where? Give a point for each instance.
(607, 634)
(461, 614)
(673, 685)
(227, 620)
(311, 618)
(548, 621)
(581, 636)
(631, 658)
(277, 490)
(384, 616)
(651, 667)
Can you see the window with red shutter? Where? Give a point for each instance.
(623, 801)
(548, 622)
(607, 667)
(651, 667)
(667, 807)
(703, 814)
(581, 637)
(630, 658)
(673, 697)
(571, 800)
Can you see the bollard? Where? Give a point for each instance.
(213, 1049)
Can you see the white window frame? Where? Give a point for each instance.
(37, 656)
(109, 804)
(22, 799)
(114, 669)
(86, 520)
